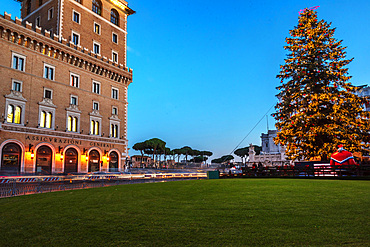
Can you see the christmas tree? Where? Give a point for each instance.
(318, 107)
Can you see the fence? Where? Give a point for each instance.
(311, 170)
(15, 188)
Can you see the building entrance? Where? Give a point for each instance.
(11, 158)
(43, 160)
(71, 160)
(94, 161)
(113, 162)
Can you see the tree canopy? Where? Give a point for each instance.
(318, 107)
(223, 159)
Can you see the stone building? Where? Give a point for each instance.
(271, 154)
(64, 80)
(365, 92)
(139, 161)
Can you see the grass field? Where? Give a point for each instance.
(234, 212)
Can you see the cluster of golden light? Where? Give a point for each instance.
(318, 108)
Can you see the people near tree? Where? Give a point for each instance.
(342, 157)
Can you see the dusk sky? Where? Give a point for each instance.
(205, 71)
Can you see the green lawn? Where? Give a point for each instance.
(227, 212)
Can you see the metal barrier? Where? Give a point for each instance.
(15, 188)
(314, 170)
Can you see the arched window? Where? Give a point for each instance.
(11, 158)
(48, 120)
(14, 114)
(45, 119)
(114, 130)
(96, 6)
(69, 127)
(72, 124)
(96, 130)
(113, 162)
(114, 17)
(94, 127)
(10, 116)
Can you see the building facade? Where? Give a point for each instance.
(64, 87)
(271, 154)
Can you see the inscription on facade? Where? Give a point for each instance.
(53, 139)
(104, 145)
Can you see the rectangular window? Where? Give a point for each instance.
(96, 48)
(115, 38)
(96, 87)
(17, 86)
(75, 80)
(48, 94)
(46, 119)
(113, 130)
(76, 17)
(114, 93)
(38, 21)
(50, 13)
(97, 28)
(75, 38)
(96, 106)
(18, 62)
(114, 56)
(14, 114)
(49, 72)
(72, 123)
(94, 127)
(114, 111)
(74, 100)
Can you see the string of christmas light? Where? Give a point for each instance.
(318, 107)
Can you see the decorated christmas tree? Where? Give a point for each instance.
(318, 107)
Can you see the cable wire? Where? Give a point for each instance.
(252, 129)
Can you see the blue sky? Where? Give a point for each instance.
(204, 72)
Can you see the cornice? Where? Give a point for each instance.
(58, 48)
